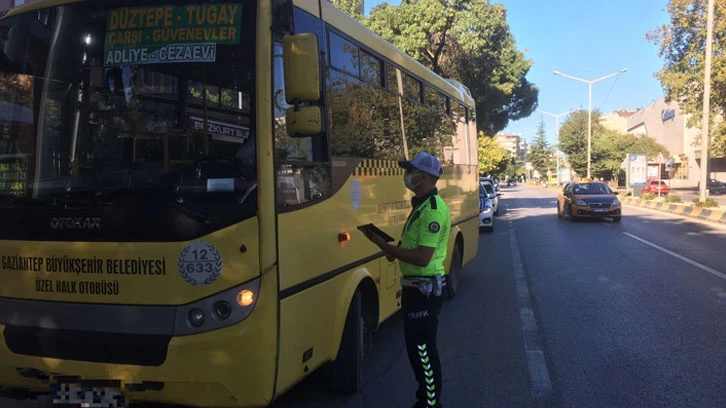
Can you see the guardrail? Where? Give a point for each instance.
(717, 215)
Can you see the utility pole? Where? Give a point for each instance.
(705, 136)
(557, 135)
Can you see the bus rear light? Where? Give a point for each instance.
(245, 298)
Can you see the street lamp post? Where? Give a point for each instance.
(589, 106)
(705, 136)
(557, 135)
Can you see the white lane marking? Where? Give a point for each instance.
(679, 256)
(537, 365)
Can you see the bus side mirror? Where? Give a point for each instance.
(302, 68)
(303, 122)
(302, 84)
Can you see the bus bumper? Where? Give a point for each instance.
(229, 367)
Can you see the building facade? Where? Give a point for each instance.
(514, 145)
(617, 120)
(668, 125)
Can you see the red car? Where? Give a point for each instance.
(654, 186)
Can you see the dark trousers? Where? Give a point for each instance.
(420, 323)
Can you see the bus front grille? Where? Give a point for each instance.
(97, 347)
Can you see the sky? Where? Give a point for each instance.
(585, 39)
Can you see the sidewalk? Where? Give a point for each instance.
(689, 194)
(686, 210)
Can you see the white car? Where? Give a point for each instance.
(486, 213)
(493, 195)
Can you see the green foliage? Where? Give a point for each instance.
(608, 147)
(467, 40)
(514, 168)
(540, 154)
(682, 44)
(492, 156)
(573, 139)
(648, 196)
(673, 198)
(350, 7)
(709, 203)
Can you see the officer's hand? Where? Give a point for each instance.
(376, 239)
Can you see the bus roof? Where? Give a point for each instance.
(341, 21)
(350, 26)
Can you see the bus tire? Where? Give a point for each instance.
(454, 275)
(346, 370)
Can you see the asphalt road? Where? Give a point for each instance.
(624, 315)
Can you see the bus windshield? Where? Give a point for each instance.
(145, 109)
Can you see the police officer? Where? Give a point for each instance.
(421, 253)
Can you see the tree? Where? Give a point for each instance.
(608, 147)
(469, 41)
(573, 138)
(515, 168)
(682, 44)
(541, 152)
(492, 155)
(353, 8)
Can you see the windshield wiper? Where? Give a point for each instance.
(105, 197)
(180, 207)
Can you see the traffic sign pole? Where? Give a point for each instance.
(661, 160)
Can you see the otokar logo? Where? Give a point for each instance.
(75, 223)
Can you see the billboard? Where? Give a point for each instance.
(638, 169)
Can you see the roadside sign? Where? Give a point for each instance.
(661, 159)
(638, 170)
(669, 165)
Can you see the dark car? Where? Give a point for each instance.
(716, 187)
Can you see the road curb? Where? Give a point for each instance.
(715, 215)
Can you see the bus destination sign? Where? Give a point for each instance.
(170, 34)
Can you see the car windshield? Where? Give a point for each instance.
(591, 188)
(488, 187)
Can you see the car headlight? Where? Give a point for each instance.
(616, 202)
(581, 203)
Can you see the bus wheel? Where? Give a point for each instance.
(345, 370)
(452, 279)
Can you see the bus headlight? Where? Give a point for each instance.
(226, 308)
(196, 317)
(222, 309)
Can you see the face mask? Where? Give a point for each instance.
(408, 181)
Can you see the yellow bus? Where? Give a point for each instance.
(180, 186)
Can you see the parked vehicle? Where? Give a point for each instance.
(716, 187)
(486, 212)
(655, 187)
(493, 195)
